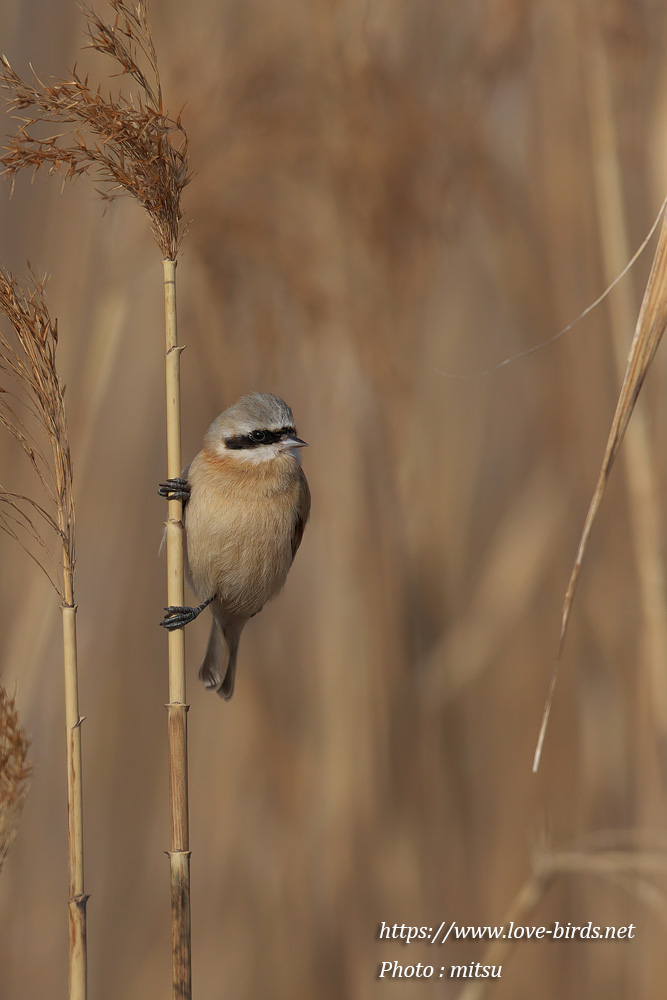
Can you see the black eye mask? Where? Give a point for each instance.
(257, 439)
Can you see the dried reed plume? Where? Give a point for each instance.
(14, 771)
(28, 360)
(135, 148)
(130, 144)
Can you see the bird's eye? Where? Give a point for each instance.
(258, 435)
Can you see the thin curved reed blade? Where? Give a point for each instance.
(648, 333)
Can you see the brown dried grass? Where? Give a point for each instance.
(133, 146)
(30, 363)
(130, 144)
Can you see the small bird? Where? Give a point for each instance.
(247, 502)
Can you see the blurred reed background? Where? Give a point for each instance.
(383, 192)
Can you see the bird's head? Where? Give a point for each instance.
(258, 428)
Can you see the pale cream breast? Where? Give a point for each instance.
(239, 524)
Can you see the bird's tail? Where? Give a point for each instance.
(218, 670)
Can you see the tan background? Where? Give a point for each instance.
(382, 192)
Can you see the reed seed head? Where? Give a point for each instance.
(34, 414)
(15, 771)
(129, 143)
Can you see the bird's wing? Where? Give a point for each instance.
(303, 512)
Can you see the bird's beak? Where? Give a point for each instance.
(291, 443)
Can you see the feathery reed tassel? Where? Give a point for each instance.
(29, 361)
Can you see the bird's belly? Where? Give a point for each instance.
(241, 555)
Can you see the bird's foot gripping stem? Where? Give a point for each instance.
(178, 616)
(175, 489)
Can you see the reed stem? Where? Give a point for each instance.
(179, 855)
(77, 897)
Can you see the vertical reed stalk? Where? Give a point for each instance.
(77, 897)
(177, 709)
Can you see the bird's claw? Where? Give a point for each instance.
(175, 489)
(178, 616)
